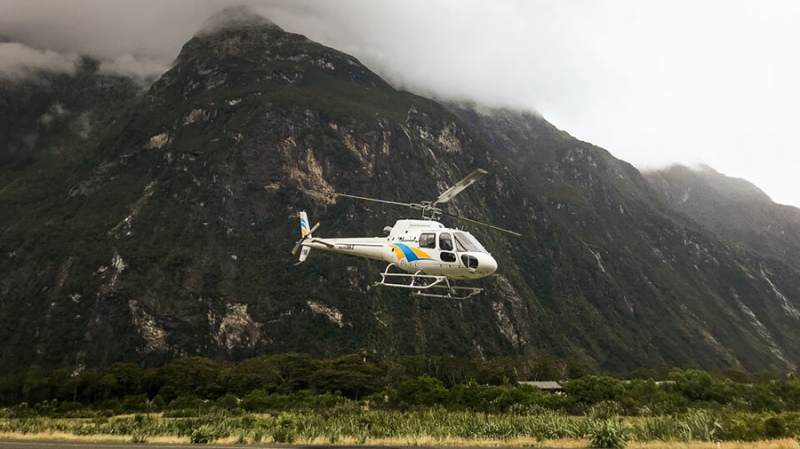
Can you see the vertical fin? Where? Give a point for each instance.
(304, 228)
(305, 231)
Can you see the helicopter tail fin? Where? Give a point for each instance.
(305, 232)
(304, 228)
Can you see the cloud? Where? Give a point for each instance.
(503, 53)
(18, 60)
(140, 39)
(143, 69)
(492, 52)
(54, 112)
(653, 82)
(233, 16)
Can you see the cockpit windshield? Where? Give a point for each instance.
(465, 242)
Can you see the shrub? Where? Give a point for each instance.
(257, 401)
(743, 427)
(775, 427)
(285, 428)
(702, 425)
(228, 401)
(134, 403)
(186, 402)
(424, 390)
(68, 407)
(202, 435)
(608, 433)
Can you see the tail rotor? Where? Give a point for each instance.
(306, 235)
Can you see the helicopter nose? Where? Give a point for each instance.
(487, 265)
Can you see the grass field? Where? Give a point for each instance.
(699, 430)
(786, 443)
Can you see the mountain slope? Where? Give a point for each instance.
(681, 286)
(736, 210)
(176, 240)
(171, 234)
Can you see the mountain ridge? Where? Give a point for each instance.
(172, 238)
(736, 210)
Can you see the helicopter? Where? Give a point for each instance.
(423, 255)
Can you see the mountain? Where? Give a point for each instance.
(682, 286)
(53, 127)
(737, 211)
(166, 230)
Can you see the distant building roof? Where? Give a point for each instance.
(547, 385)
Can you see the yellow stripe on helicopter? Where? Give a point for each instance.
(401, 251)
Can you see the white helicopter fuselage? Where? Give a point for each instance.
(415, 246)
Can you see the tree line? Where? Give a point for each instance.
(292, 381)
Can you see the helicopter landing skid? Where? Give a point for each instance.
(427, 285)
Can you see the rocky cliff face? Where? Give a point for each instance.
(170, 234)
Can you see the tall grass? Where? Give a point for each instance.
(697, 425)
(349, 423)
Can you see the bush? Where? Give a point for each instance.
(202, 435)
(136, 403)
(186, 402)
(261, 401)
(742, 427)
(68, 407)
(775, 427)
(608, 433)
(228, 401)
(258, 401)
(594, 389)
(424, 390)
(285, 428)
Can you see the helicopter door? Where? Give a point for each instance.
(446, 247)
(423, 256)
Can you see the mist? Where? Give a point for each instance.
(20, 61)
(654, 82)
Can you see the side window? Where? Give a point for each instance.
(445, 242)
(427, 240)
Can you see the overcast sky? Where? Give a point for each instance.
(653, 82)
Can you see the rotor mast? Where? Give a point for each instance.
(430, 209)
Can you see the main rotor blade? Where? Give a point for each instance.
(480, 223)
(459, 186)
(411, 205)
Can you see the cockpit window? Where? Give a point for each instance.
(445, 242)
(466, 242)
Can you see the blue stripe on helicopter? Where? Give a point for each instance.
(303, 226)
(411, 254)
